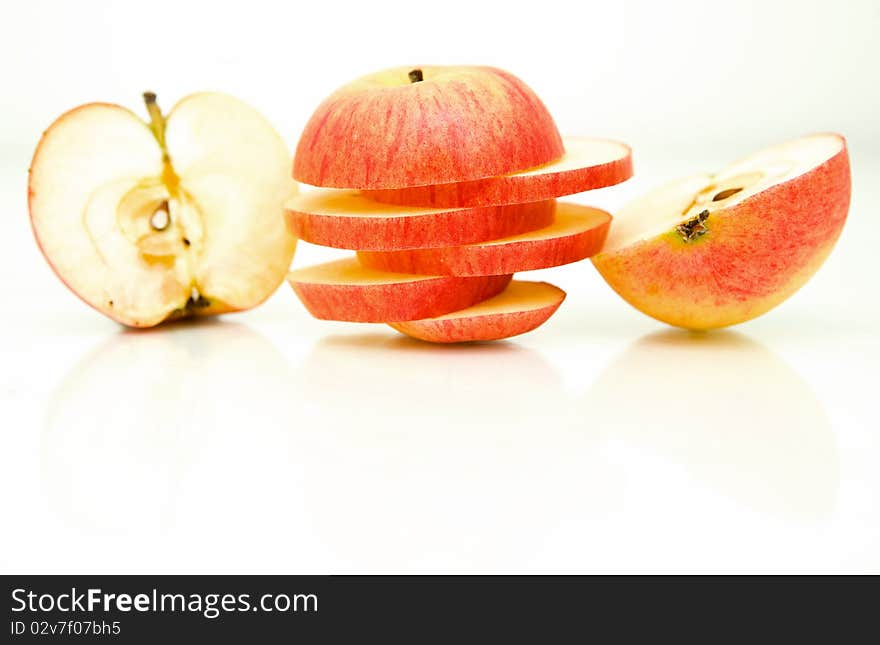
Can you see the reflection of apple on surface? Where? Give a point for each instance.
(147, 222)
(187, 401)
(726, 410)
(443, 482)
(714, 250)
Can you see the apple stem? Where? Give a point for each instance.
(157, 121)
(157, 127)
(416, 76)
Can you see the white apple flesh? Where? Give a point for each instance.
(182, 216)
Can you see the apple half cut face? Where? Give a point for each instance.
(708, 251)
(411, 126)
(182, 216)
(576, 233)
(587, 164)
(344, 290)
(520, 308)
(346, 219)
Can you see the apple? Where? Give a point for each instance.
(586, 165)
(708, 251)
(520, 308)
(181, 216)
(344, 290)
(411, 126)
(346, 219)
(577, 233)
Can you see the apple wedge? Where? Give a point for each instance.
(181, 216)
(346, 219)
(586, 165)
(411, 126)
(344, 290)
(577, 233)
(713, 250)
(520, 308)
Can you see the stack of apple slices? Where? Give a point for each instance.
(444, 180)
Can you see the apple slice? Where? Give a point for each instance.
(577, 233)
(179, 217)
(521, 307)
(714, 250)
(346, 219)
(411, 126)
(344, 290)
(587, 164)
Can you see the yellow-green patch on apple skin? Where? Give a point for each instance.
(753, 256)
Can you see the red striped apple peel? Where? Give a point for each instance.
(344, 290)
(520, 308)
(348, 220)
(587, 164)
(412, 126)
(577, 233)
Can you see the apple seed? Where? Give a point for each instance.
(415, 76)
(724, 194)
(694, 227)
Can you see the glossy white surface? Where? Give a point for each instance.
(603, 442)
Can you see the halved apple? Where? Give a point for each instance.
(344, 290)
(577, 233)
(411, 126)
(520, 308)
(586, 165)
(714, 250)
(147, 222)
(346, 219)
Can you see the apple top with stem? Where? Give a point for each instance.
(414, 126)
(181, 216)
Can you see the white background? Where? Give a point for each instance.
(603, 442)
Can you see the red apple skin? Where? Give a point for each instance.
(436, 229)
(493, 258)
(510, 189)
(399, 301)
(458, 124)
(479, 328)
(755, 255)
